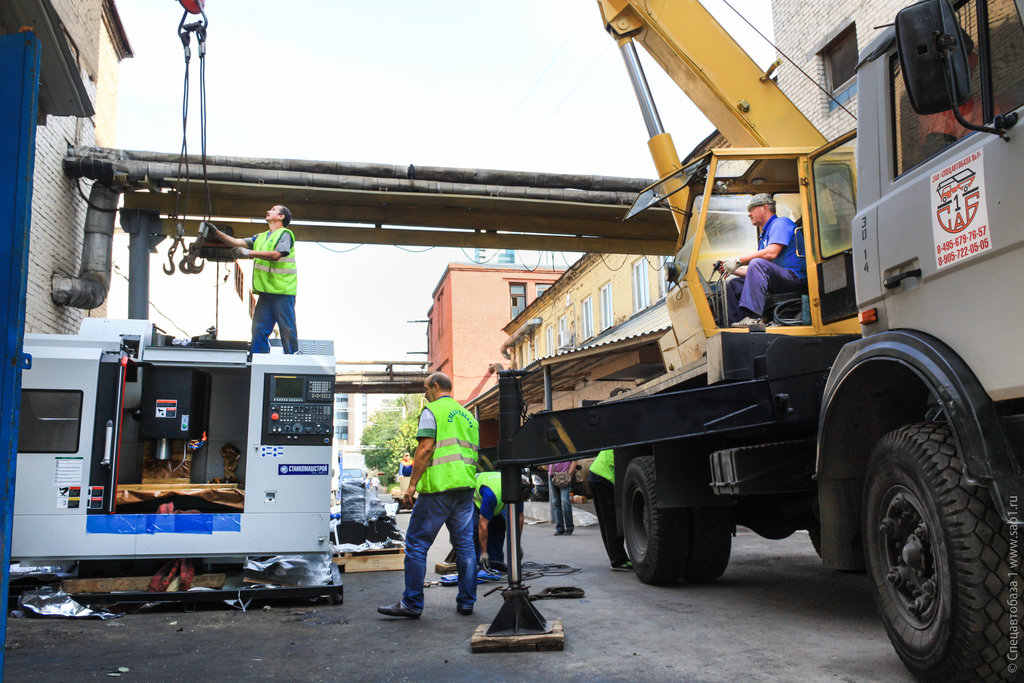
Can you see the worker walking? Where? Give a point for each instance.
(274, 278)
(491, 519)
(602, 485)
(444, 473)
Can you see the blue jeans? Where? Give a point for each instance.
(453, 509)
(747, 294)
(271, 309)
(561, 506)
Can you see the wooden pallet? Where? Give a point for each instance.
(555, 640)
(132, 583)
(387, 559)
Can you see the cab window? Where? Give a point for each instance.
(995, 52)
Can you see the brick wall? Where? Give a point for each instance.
(58, 210)
(803, 29)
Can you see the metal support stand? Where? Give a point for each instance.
(144, 227)
(517, 616)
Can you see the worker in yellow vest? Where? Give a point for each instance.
(602, 485)
(492, 520)
(274, 278)
(444, 474)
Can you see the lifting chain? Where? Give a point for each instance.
(190, 262)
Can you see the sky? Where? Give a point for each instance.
(530, 85)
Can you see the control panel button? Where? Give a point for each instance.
(274, 416)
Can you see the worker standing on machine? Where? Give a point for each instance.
(274, 278)
(444, 472)
(492, 520)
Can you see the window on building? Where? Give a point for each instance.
(541, 289)
(517, 292)
(549, 338)
(506, 256)
(365, 400)
(341, 417)
(563, 332)
(587, 318)
(840, 60)
(641, 286)
(607, 314)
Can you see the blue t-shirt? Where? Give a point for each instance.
(781, 230)
(488, 501)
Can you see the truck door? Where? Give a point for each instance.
(949, 237)
(834, 203)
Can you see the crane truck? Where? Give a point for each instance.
(882, 409)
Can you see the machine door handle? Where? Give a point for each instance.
(894, 281)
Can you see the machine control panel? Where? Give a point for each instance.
(298, 409)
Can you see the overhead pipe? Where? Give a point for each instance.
(89, 289)
(510, 184)
(469, 176)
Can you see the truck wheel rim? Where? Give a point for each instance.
(638, 508)
(906, 542)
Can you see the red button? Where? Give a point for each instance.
(274, 416)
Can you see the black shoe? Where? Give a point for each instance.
(398, 610)
(464, 610)
(559, 533)
(569, 532)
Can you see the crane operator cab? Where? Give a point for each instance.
(815, 189)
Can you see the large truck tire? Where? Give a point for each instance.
(710, 539)
(656, 538)
(937, 555)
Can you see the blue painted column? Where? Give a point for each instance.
(19, 82)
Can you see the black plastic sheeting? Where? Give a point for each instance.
(365, 522)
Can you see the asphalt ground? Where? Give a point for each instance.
(774, 615)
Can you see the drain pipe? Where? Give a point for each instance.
(89, 289)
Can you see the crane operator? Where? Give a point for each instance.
(774, 268)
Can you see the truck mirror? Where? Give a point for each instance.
(933, 56)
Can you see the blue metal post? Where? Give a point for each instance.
(19, 81)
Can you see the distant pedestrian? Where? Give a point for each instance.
(602, 485)
(444, 473)
(560, 476)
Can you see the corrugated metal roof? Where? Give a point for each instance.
(654, 318)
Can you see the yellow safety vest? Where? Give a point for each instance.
(491, 480)
(453, 463)
(604, 465)
(274, 277)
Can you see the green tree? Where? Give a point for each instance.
(391, 432)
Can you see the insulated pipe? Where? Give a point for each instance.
(89, 289)
(471, 176)
(640, 87)
(516, 186)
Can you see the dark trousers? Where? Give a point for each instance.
(604, 507)
(747, 294)
(495, 535)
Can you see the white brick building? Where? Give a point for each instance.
(819, 37)
(97, 43)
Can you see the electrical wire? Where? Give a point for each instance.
(338, 251)
(624, 259)
(413, 251)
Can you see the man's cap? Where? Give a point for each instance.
(760, 200)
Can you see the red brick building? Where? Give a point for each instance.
(471, 305)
